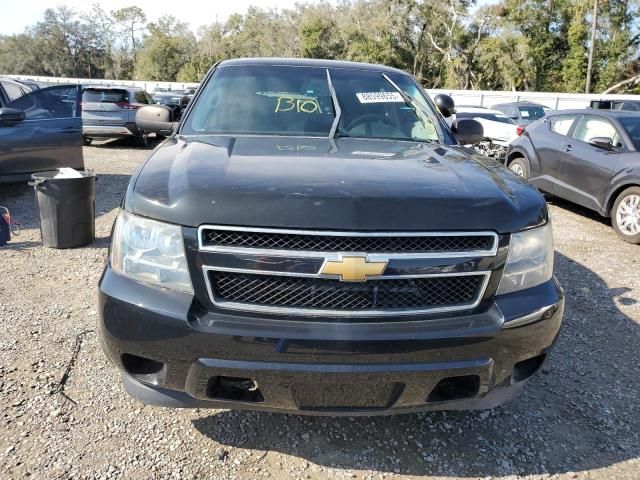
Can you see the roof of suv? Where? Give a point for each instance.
(596, 111)
(307, 62)
(111, 87)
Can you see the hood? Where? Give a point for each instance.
(342, 184)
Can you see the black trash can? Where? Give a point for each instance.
(66, 207)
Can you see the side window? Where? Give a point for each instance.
(140, 97)
(561, 124)
(12, 90)
(591, 126)
(51, 102)
(632, 107)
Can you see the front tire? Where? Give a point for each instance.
(520, 166)
(142, 139)
(625, 215)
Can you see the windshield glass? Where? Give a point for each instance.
(632, 126)
(283, 100)
(531, 112)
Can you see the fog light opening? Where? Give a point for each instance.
(135, 365)
(234, 388)
(455, 388)
(526, 368)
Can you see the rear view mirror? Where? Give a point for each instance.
(601, 142)
(9, 116)
(467, 131)
(156, 119)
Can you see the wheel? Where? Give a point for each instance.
(142, 139)
(625, 215)
(87, 140)
(520, 166)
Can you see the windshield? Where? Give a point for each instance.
(632, 126)
(104, 95)
(531, 112)
(296, 101)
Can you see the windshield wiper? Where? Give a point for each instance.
(407, 99)
(336, 107)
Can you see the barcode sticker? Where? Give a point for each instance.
(379, 97)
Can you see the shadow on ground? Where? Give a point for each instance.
(124, 143)
(579, 414)
(577, 209)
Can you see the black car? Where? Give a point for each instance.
(523, 113)
(312, 238)
(588, 157)
(40, 129)
(627, 105)
(177, 102)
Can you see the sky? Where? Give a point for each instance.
(18, 14)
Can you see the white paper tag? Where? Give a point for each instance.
(379, 97)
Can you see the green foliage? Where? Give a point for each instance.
(510, 44)
(574, 66)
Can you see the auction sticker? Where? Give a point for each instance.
(379, 97)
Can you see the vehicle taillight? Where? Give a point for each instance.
(127, 105)
(519, 130)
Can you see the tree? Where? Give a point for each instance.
(132, 20)
(574, 64)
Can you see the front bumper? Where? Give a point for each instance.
(175, 353)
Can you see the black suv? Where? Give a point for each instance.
(312, 238)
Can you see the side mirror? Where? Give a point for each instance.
(467, 131)
(156, 119)
(601, 142)
(9, 116)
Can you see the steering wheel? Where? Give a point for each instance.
(368, 118)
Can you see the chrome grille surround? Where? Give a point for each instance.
(259, 254)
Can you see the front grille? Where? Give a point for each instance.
(334, 295)
(335, 243)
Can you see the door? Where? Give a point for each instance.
(49, 137)
(548, 139)
(586, 169)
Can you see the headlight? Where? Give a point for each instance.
(530, 260)
(150, 252)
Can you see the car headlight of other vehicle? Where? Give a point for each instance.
(529, 261)
(150, 251)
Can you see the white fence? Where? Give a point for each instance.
(149, 86)
(556, 101)
(482, 98)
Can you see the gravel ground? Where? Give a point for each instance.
(65, 413)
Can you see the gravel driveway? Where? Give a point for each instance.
(65, 413)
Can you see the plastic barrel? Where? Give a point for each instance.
(66, 207)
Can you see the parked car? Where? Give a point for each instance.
(109, 112)
(39, 129)
(177, 102)
(499, 129)
(313, 238)
(588, 157)
(523, 113)
(627, 105)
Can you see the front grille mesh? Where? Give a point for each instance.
(330, 243)
(312, 293)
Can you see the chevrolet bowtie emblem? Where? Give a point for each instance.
(353, 269)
